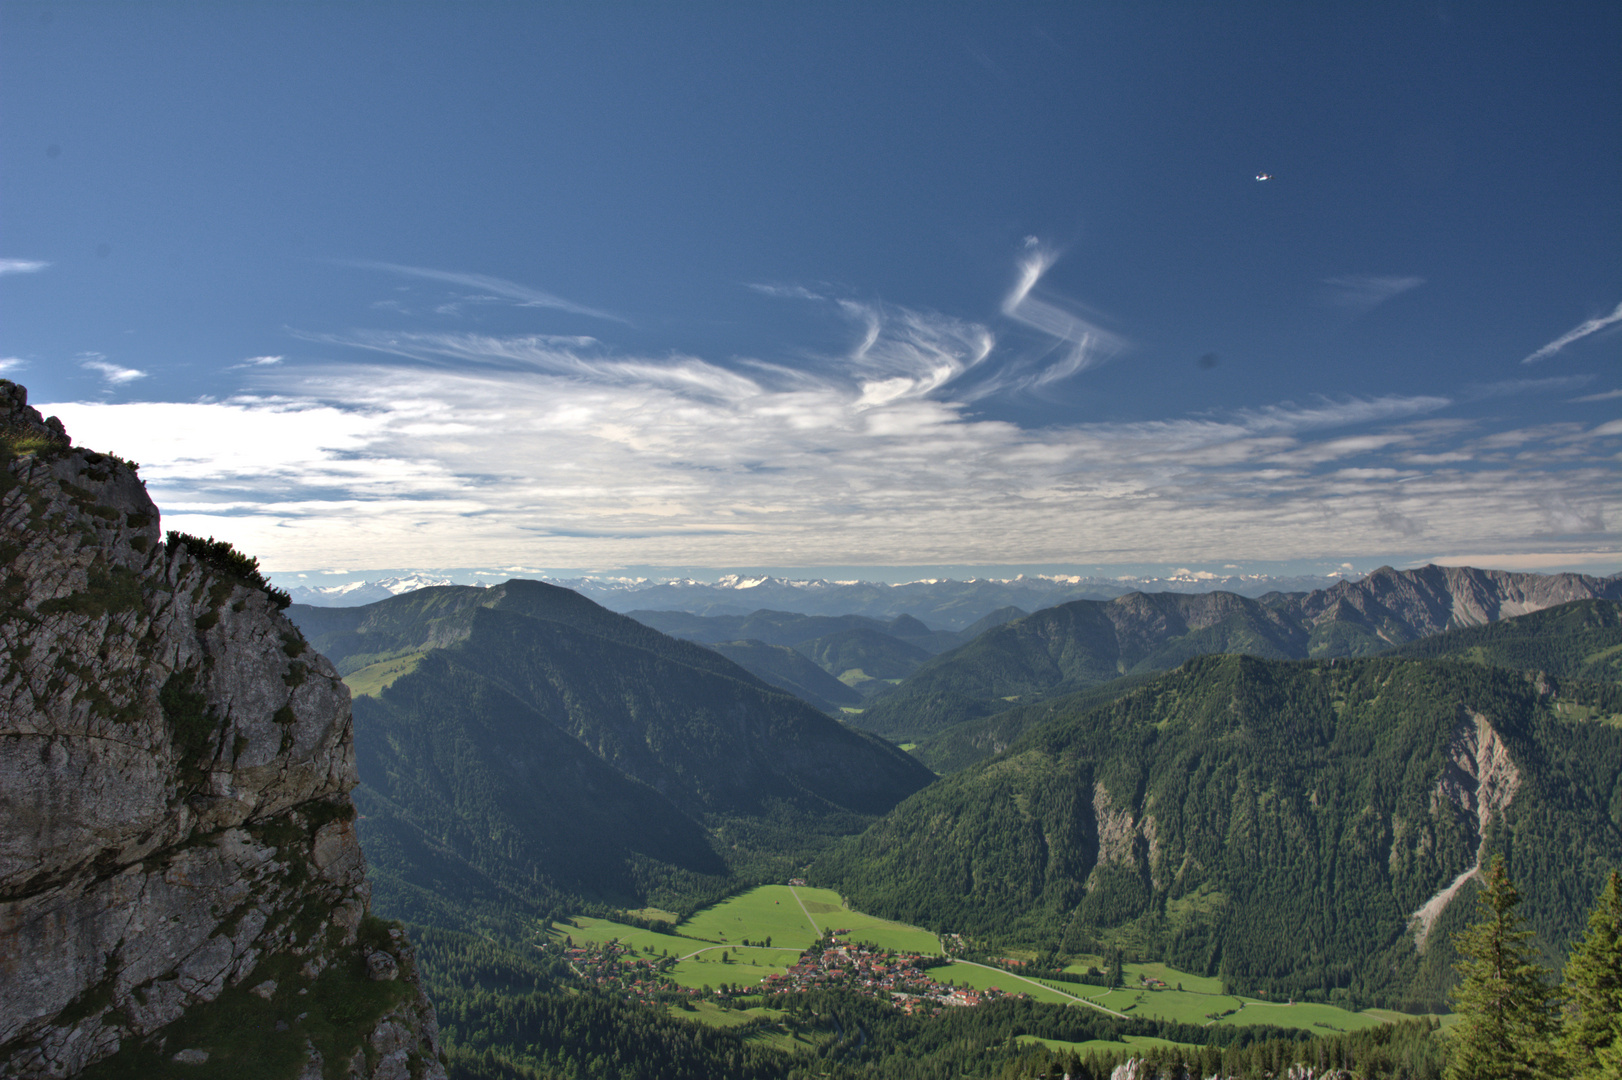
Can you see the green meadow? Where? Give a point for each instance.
(832, 913)
(795, 917)
(1126, 1042)
(767, 911)
(981, 978)
(370, 681)
(1201, 996)
(645, 942)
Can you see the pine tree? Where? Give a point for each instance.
(1590, 1043)
(1503, 998)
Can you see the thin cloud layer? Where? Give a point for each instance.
(484, 285)
(21, 266)
(1591, 326)
(485, 450)
(1360, 293)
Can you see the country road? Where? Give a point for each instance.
(1045, 986)
(805, 909)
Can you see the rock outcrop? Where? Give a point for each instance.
(181, 886)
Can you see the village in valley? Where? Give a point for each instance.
(834, 961)
(699, 962)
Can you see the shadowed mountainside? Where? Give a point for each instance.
(540, 746)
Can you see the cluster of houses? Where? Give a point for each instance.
(839, 962)
(612, 966)
(835, 961)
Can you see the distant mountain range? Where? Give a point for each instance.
(1086, 643)
(358, 593)
(941, 603)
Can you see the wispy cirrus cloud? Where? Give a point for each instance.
(467, 449)
(1360, 293)
(485, 285)
(22, 266)
(1590, 326)
(1516, 387)
(786, 292)
(1082, 343)
(114, 374)
(480, 450)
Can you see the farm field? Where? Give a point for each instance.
(769, 911)
(983, 978)
(648, 942)
(744, 967)
(1127, 1042)
(708, 1012)
(766, 911)
(1202, 995)
(1199, 984)
(794, 917)
(831, 913)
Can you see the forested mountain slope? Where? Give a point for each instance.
(1579, 640)
(1280, 824)
(1086, 642)
(526, 745)
(788, 670)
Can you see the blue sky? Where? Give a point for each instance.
(739, 286)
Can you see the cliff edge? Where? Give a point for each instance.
(181, 888)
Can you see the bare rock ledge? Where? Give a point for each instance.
(181, 887)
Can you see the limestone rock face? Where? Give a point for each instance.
(179, 873)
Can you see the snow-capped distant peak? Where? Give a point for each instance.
(411, 583)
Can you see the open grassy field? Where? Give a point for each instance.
(370, 681)
(983, 978)
(1134, 973)
(767, 911)
(743, 966)
(1304, 1014)
(1188, 1007)
(1127, 1042)
(587, 929)
(1202, 995)
(795, 917)
(791, 918)
(831, 913)
(708, 1012)
(659, 914)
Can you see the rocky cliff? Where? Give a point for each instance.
(181, 888)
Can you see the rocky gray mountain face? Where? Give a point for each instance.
(1086, 643)
(180, 880)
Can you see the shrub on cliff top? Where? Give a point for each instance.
(222, 556)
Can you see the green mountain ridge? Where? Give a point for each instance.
(542, 747)
(1579, 640)
(1278, 824)
(789, 670)
(1086, 643)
